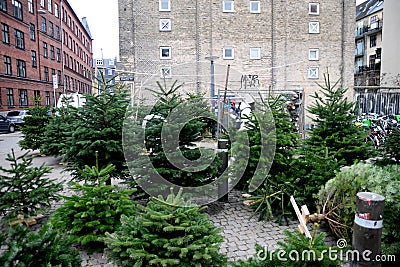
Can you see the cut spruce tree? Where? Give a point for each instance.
(34, 127)
(167, 232)
(24, 189)
(333, 115)
(161, 141)
(97, 126)
(44, 248)
(94, 209)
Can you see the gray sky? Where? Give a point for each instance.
(102, 17)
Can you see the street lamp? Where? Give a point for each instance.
(212, 88)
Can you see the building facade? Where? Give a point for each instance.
(368, 41)
(105, 72)
(283, 46)
(45, 51)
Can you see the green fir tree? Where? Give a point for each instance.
(34, 127)
(25, 189)
(167, 232)
(98, 127)
(46, 248)
(167, 136)
(334, 115)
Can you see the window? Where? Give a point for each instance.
(255, 7)
(36, 94)
(19, 39)
(111, 62)
(58, 55)
(69, 21)
(255, 53)
(372, 40)
(34, 60)
(44, 25)
(5, 33)
(23, 97)
(52, 53)
(228, 53)
(17, 9)
(313, 73)
(49, 6)
(7, 65)
(313, 54)
(59, 76)
(46, 74)
(56, 10)
(165, 5)
(313, 8)
(228, 6)
(30, 6)
(373, 19)
(10, 97)
(21, 68)
(45, 51)
(42, 3)
(109, 72)
(165, 52)
(57, 32)
(99, 62)
(165, 25)
(32, 31)
(313, 27)
(166, 72)
(47, 96)
(3, 5)
(51, 29)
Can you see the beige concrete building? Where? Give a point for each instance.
(268, 44)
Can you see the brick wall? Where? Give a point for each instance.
(201, 29)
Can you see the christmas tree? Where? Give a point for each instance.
(167, 232)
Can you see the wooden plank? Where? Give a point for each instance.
(302, 222)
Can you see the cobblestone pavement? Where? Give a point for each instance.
(241, 233)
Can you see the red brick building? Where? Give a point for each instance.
(42, 39)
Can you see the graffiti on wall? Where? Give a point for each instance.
(376, 101)
(249, 81)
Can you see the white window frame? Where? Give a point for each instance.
(258, 7)
(312, 73)
(256, 50)
(56, 13)
(168, 48)
(310, 12)
(313, 27)
(165, 72)
(313, 50)
(30, 6)
(224, 56)
(162, 3)
(49, 6)
(224, 6)
(165, 25)
(42, 3)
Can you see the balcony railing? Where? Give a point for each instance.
(373, 27)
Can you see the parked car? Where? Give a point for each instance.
(17, 116)
(6, 125)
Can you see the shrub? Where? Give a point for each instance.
(96, 208)
(24, 189)
(166, 233)
(339, 195)
(47, 248)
